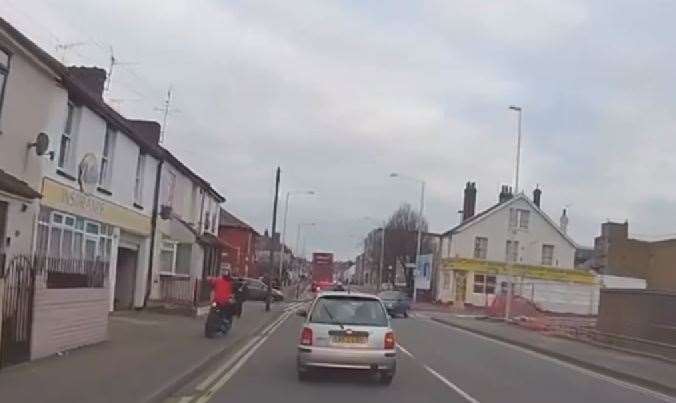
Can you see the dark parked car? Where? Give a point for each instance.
(396, 302)
(258, 291)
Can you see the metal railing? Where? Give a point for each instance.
(60, 272)
(176, 289)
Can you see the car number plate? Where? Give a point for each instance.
(349, 339)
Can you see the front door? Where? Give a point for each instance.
(460, 281)
(125, 278)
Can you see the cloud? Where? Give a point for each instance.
(341, 94)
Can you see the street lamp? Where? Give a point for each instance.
(382, 254)
(518, 110)
(298, 232)
(420, 222)
(286, 213)
(511, 251)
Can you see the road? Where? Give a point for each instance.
(436, 363)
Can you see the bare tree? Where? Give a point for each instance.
(401, 242)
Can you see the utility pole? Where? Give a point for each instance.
(382, 258)
(512, 251)
(271, 268)
(419, 246)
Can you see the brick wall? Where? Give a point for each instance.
(646, 314)
(64, 319)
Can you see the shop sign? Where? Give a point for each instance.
(70, 200)
(520, 270)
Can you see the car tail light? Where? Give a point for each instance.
(390, 341)
(306, 337)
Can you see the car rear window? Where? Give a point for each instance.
(390, 295)
(348, 311)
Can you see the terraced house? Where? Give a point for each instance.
(94, 213)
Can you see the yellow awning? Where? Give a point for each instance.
(519, 270)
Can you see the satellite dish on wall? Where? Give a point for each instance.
(41, 144)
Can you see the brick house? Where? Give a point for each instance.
(240, 238)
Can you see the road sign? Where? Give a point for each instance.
(423, 274)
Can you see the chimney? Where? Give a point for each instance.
(505, 193)
(92, 78)
(537, 193)
(563, 222)
(469, 202)
(148, 129)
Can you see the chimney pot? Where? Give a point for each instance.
(537, 194)
(147, 129)
(505, 193)
(563, 222)
(92, 78)
(469, 202)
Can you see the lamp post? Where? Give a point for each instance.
(283, 238)
(298, 232)
(420, 223)
(512, 252)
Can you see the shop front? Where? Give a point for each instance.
(76, 226)
(476, 282)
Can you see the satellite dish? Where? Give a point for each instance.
(41, 144)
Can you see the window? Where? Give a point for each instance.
(66, 148)
(484, 284)
(66, 236)
(446, 281)
(168, 257)
(519, 217)
(511, 251)
(480, 247)
(107, 158)
(4, 72)
(207, 220)
(138, 181)
(547, 254)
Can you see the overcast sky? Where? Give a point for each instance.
(340, 94)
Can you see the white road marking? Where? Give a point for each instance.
(437, 375)
(588, 372)
(185, 399)
(211, 378)
(451, 385)
(232, 371)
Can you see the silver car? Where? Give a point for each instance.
(349, 331)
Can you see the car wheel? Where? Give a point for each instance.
(386, 377)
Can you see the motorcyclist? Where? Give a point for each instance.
(223, 293)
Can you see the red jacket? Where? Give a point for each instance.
(222, 289)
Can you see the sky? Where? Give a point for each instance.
(340, 94)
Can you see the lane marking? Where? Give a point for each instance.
(202, 386)
(588, 372)
(440, 377)
(451, 385)
(233, 370)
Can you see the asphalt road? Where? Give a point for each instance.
(438, 363)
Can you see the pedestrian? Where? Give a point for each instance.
(241, 295)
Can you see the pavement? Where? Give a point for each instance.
(148, 355)
(436, 363)
(641, 370)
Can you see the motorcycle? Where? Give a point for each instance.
(219, 320)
